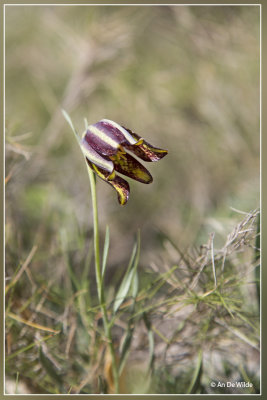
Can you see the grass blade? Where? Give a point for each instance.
(69, 121)
(195, 384)
(105, 252)
(135, 286)
(75, 283)
(151, 341)
(26, 348)
(129, 276)
(125, 347)
(31, 324)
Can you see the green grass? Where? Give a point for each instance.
(176, 314)
(187, 79)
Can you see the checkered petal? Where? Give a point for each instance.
(144, 150)
(119, 184)
(129, 166)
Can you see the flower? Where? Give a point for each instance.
(105, 145)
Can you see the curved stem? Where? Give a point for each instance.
(99, 281)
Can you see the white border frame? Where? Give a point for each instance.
(260, 114)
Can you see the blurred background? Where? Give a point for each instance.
(184, 78)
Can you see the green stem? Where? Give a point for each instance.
(99, 281)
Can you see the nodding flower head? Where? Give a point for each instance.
(105, 146)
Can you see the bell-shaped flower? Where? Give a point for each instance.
(105, 146)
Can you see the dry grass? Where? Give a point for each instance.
(181, 312)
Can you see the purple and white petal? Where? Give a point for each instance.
(106, 136)
(95, 157)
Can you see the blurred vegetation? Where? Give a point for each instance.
(186, 79)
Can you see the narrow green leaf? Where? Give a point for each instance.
(151, 342)
(105, 252)
(195, 384)
(123, 290)
(136, 261)
(129, 276)
(69, 121)
(76, 284)
(135, 286)
(125, 347)
(85, 123)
